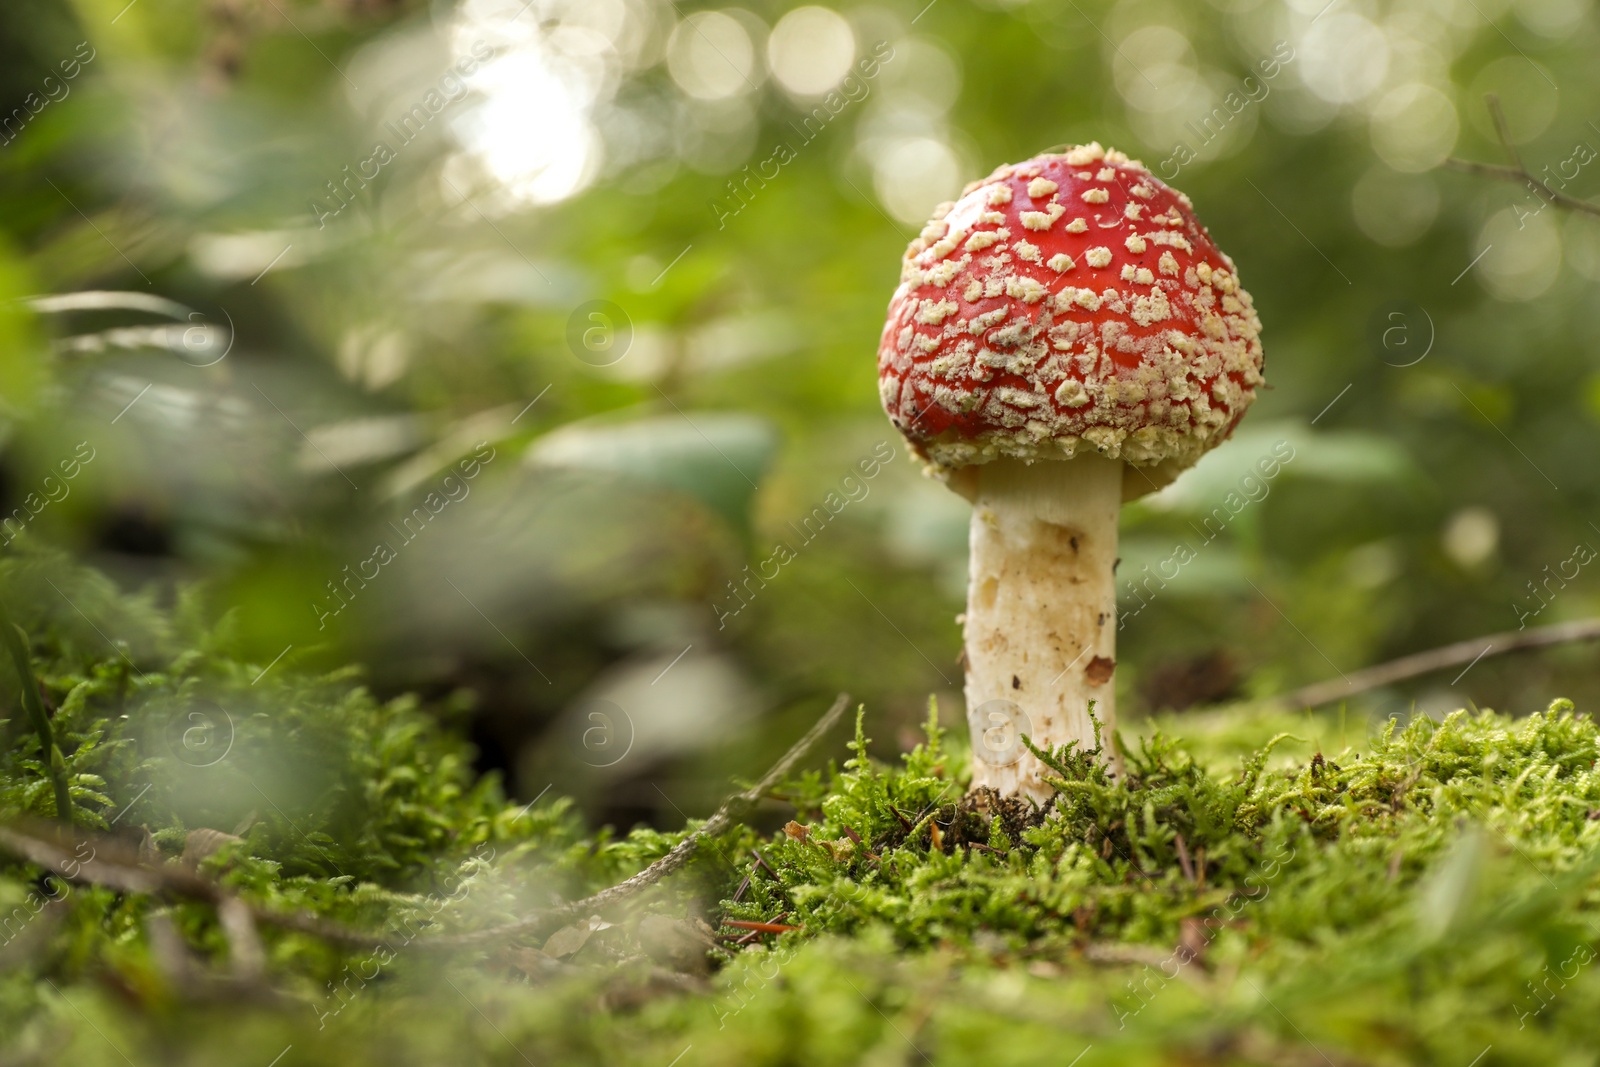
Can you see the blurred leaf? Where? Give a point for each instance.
(1212, 569)
(716, 457)
(22, 370)
(1445, 897)
(1284, 449)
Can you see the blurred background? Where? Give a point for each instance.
(524, 350)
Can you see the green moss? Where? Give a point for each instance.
(1137, 859)
(1425, 898)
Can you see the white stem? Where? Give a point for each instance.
(1041, 622)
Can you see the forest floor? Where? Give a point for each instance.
(315, 876)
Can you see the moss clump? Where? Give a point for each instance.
(347, 807)
(1428, 898)
(1422, 901)
(1170, 853)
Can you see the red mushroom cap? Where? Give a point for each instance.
(1070, 302)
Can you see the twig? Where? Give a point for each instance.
(16, 644)
(760, 927)
(680, 854)
(1518, 171)
(1438, 659)
(1183, 858)
(113, 865)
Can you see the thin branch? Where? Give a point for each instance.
(1518, 171)
(1438, 659)
(113, 864)
(1487, 170)
(680, 854)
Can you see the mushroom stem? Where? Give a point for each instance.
(1041, 622)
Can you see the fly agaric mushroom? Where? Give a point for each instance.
(1065, 337)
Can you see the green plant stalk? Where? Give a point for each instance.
(16, 644)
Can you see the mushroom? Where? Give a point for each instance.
(1065, 337)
